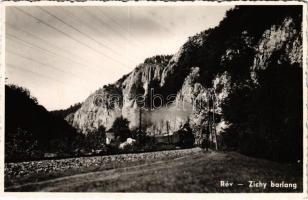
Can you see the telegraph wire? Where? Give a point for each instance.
(137, 44)
(102, 44)
(120, 26)
(30, 71)
(69, 36)
(46, 50)
(38, 62)
(79, 31)
(103, 23)
(42, 64)
(54, 46)
(11, 66)
(106, 25)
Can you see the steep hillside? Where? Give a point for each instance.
(30, 130)
(221, 67)
(65, 112)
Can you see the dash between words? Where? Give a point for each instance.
(260, 184)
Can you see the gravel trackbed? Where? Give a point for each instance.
(189, 170)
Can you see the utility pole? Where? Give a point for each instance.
(214, 125)
(140, 115)
(167, 124)
(209, 116)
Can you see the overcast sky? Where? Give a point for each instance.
(62, 54)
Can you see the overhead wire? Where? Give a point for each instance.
(39, 62)
(121, 27)
(54, 46)
(103, 44)
(69, 36)
(32, 45)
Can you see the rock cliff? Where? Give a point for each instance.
(210, 65)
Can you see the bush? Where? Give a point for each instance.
(21, 145)
(187, 138)
(95, 140)
(121, 129)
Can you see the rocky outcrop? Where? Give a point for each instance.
(107, 103)
(208, 66)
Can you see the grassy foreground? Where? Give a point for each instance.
(192, 171)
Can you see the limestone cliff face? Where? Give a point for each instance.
(208, 66)
(284, 39)
(107, 103)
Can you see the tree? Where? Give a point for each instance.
(121, 129)
(187, 138)
(96, 140)
(266, 120)
(21, 145)
(26, 120)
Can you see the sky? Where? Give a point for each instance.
(64, 53)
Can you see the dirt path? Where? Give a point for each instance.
(200, 172)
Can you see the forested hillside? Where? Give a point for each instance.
(30, 130)
(250, 65)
